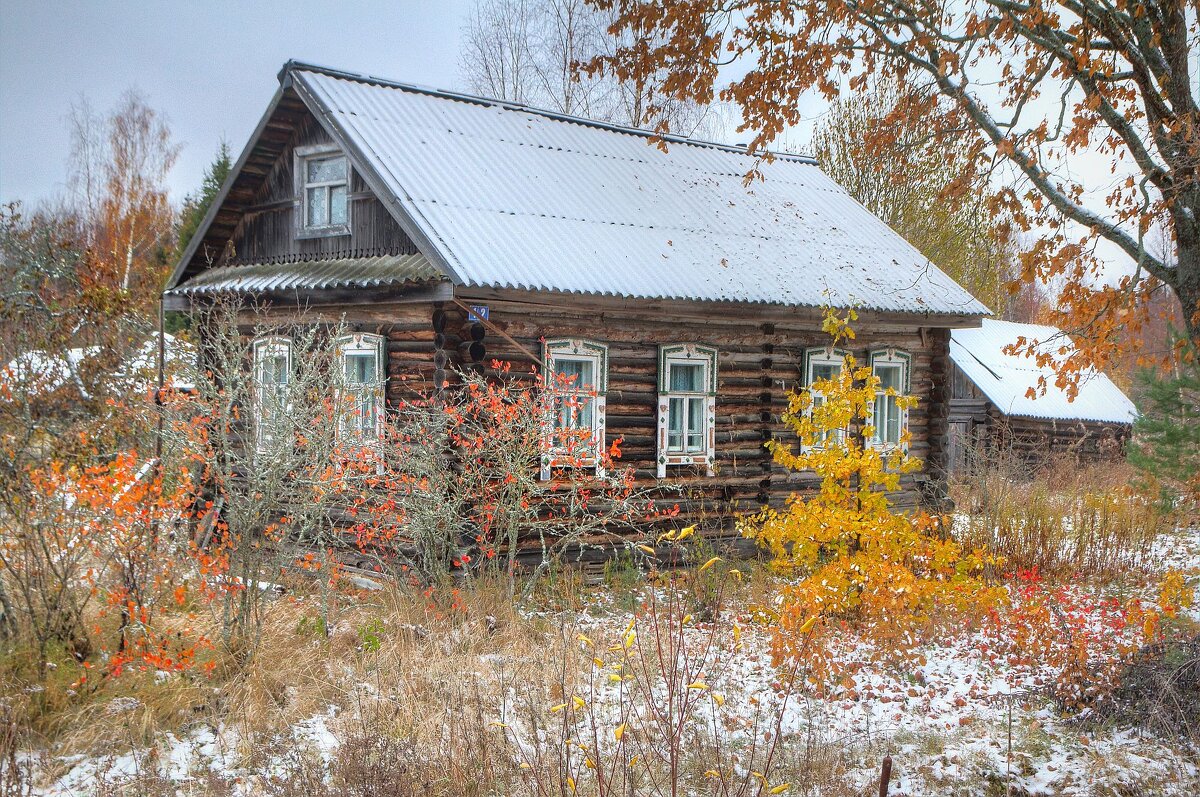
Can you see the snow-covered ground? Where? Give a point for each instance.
(946, 717)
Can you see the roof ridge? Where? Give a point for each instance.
(510, 105)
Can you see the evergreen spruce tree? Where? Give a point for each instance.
(197, 204)
(1167, 435)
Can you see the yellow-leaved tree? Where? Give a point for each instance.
(860, 564)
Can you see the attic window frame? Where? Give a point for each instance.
(302, 156)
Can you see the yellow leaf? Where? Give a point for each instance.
(670, 535)
(558, 708)
(808, 624)
(718, 698)
(525, 765)
(589, 763)
(687, 532)
(578, 701)
(697, 685)
(616, 679)
(646, 549)
(634, 760)
(687, 618)
(570, 783)
(781, 788)
(711, 773)
(619, 731)
(584, 640)
(598, 661)
(709, 563)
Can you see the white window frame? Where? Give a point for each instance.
(577, 350)
(356, 344)
(687, 354)
(263, 348)
(823, 356)
(302, 157)
(891, 358)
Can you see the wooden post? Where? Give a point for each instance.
(885, 776)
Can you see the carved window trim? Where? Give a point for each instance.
(814, 357)
(890, 358)
(573, 350)
(272, 401)
(363, 424)
(687, 354)
(302, 157)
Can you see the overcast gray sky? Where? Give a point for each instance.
(209, 65)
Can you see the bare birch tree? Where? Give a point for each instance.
(119, 165)
(532, 52)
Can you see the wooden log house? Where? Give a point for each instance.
(448, 229)
(994, 414)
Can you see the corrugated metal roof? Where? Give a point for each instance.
(512, 197)
(359, 272)
(1005, 378)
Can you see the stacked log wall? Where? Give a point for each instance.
(760, 360)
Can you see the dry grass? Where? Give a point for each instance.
(418, 684)
(1064, 519)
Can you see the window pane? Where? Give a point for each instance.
(573, 411)
(326, 170)
(695, 424)
(824, 371)
(562, 413)
(675, 424)
(574, 374)
(337, 204)
(360, 369)
(274, 370)
(687, 378)
(886, 420)
(318, 208)
(892, 428)
(889, 375)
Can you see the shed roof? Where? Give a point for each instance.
(1006, 378)
(500, 195)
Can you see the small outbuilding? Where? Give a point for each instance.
(996, 404)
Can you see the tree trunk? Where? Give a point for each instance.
(1187, 287)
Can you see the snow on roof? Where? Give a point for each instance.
(1005, 378)
(505, 196)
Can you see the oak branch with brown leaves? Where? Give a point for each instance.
(1043, 91)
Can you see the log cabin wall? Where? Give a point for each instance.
(760, 356)
(267, 230)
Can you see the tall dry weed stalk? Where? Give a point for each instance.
(1064, 519)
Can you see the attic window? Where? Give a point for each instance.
(324, 177)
